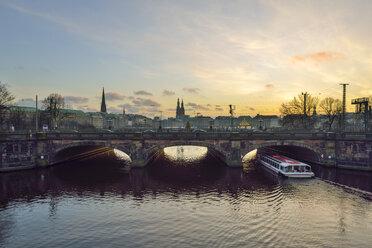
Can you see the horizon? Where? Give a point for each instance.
(253, 55)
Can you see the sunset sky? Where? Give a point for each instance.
(252, 54)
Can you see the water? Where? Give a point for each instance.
(67, 206)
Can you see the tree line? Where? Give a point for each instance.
(51, 114)
(299, 111)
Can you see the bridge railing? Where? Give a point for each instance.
(185, 136)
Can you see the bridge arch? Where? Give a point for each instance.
(153, 149)
(60, 148)
(315, 152)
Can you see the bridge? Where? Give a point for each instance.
(345, 150)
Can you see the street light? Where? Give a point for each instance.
(161, 116)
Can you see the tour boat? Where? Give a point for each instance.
(285, 166)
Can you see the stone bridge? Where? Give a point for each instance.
(41, 149)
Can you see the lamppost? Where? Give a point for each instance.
(161, 117)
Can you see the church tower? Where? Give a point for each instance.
(178, 111)
(182, 111)
(103, 102)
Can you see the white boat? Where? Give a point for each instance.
(285, 166)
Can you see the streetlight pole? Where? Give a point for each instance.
(36, 118)
(161, 117)
(343, 106)
(305, 95)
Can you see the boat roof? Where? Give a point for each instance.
(285, 159)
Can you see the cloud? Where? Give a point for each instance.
(28, 102)
(152, 110)
(142, 92)
(86, 108)
(252, 109)
(145, 102)
(318, 58)
(196, 106)
(219, 109)
(201, 107)
(113, 96)
(116, 110)
(168, 93)
(191, 104)
(191, 90)
(129, 108)
(269, 86)
(75, 99)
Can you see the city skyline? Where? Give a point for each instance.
(253, 55)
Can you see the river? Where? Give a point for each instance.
(96, 203)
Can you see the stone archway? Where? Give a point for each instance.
(153, 149)
(62, 147)
(317, 153)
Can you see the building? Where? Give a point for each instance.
(265, 121)
(180, 111)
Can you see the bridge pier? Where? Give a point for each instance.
(233, 158)
(235, 163)
(138, 163)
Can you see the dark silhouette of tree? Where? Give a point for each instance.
(296, 106)
(6, 98)
(293, 111)
(53, 105)
(332, 108)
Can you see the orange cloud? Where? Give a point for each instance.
(318, 58)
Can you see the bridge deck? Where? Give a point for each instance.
(187, 136)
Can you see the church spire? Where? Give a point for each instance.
(178, 109)
(103, 102)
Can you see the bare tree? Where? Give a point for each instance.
(294, 110)
(6, 98)
(296, 106)
(332, 108)
(53, 105)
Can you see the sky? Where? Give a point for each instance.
(146, 54)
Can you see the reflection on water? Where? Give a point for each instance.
(181, 164)
(70, 206)
(185, 153)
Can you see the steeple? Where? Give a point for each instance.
(178, 109)
(182, 111)
(103, 102)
